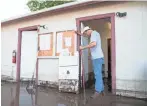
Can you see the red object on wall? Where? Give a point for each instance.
(14, 56)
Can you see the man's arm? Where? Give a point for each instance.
(91, 45)
(93, 42)
(78, 33)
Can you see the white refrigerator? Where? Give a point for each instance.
(69, 74)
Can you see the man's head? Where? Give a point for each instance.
(87, 31)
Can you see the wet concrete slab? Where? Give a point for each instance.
(17, 95)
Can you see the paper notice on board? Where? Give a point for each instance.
(59, 42)
(44, 42)
(48, 42)
(68, 41)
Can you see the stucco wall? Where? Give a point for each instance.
(131, 50)
(130, 34)
(144, 28)
(8, 44)
(48, 69)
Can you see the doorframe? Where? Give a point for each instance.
(113, 49)
(18, 63)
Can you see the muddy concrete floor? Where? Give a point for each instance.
(17, 95)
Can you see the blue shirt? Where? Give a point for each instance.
(96, 51)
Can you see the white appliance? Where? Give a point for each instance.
(69, 74)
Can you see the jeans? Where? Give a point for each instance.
(97, 66)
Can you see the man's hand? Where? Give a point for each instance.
(78, 33)
(91, 45)
(75, 31)
(81, 48)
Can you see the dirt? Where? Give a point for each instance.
(17, 95)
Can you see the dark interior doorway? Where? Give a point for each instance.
(109, 82)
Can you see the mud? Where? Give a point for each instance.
(17, 95)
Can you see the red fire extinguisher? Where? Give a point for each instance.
(14, 56)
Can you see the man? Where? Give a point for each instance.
(96, 56)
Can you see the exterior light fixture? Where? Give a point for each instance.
(43, 26)
(119, 14)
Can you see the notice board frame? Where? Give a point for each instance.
(46, 52)
(73, 44)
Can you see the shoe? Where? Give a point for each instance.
(96, 94)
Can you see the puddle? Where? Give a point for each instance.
(18, 95)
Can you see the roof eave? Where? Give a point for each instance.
(56, 8)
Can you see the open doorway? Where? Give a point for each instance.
(103, 27)
(104, 24)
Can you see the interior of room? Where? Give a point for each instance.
(103, 26)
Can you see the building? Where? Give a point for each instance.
(121, 25)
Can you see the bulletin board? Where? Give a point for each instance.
(65, 39)
(45, 44)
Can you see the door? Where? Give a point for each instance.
(29, 47)
(84, 42)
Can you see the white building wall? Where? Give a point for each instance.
(8, 44)
(144, 37)
(48, 69)
(129, 31)
(130, 51)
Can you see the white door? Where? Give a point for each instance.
(29, 47)
(84, 42)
